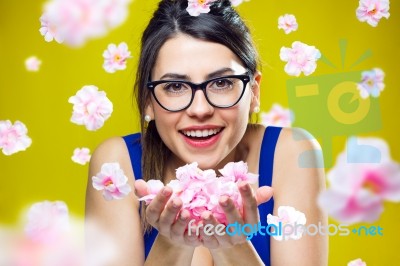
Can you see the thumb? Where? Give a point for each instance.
(141, 188)
(264, 194)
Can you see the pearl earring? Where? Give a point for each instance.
(147, 118)
(256, 109)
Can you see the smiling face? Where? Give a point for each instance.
(201, 133)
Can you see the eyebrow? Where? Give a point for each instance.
(220, 72)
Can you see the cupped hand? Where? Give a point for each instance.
(250, 200)
(167, 216)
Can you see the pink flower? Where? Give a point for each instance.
(289, 217)
(357, 262)
(237, 2)
(238, 172)
(13, 138)
(76, 21)
(115, 57)
(287, 23)
(196, 7)
(91, 107)
(300, 58)
(47, 221)
(112, 181)
(371, 83)
(81, 156)
(153, 187)
(371, 11)
(362, 178)
(200, 190)
(32, 63)
(277, 116)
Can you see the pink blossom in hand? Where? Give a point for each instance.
(357, 189)
(47, 221)
(91, 107)
(371, 11)
(76, 21)
(153, 187)
(357, 262)
(237, 2)
(300, 58)
(112, 180)
(371, 83)
(196, 7)
(115, 57)
(277, 116)
(287, 23)
(13, 138)
(81, 156)
(200, 190)
(289, 217)
(32, 64)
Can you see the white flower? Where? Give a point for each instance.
(32, 64)
(13, 138)
(290, 220)
(287, 23)
(115, 57)
(91, 107)
(81, 156)
(300, 58)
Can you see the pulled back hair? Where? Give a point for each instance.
(221, 25)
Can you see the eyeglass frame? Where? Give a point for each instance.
(245, 78)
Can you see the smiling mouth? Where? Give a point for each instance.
(201, 134)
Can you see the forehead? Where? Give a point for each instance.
(194, 58)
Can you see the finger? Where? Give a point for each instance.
(220, 235)
(157, 205)
(140, 188)
(207, 232)
(250, 210)
(232, 214)
(264, 194)
(169, 215)
(192, 236)
(179, 227)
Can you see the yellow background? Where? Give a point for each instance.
(40, 100)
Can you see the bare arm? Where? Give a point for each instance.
(297, 183)
(118, 218)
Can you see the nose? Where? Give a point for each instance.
(200, 107)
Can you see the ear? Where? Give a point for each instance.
(255, 91)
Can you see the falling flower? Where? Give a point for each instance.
(81, 156)
(115, 57)
(371, 83)
(300, 58)
(238, 2)
(32, 64)
(13, 138)
(91, 107)
(357, 262)
(287, 23)
(112, 180)
(200, 190)
(75, 21)
(290, 219)
(363, 177)
(47, 221)
(371, 11)
(277, 116)
(196, 7)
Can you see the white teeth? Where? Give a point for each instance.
(201, 133)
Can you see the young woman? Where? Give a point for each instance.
(196, 87)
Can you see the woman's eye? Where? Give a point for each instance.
(174, 87)
(222, 84)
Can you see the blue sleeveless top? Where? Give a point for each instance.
(260, 243)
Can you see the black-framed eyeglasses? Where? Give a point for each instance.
(177, 95)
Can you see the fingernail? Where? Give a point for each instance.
(245, 187)
(224, 201)
(166, 192)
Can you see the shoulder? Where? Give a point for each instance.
(298, 176)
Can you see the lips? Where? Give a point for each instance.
(201, 137)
